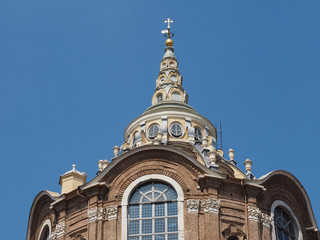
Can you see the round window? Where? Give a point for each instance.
(163, 65)
(171, 64)
(197, 133)
(162, 79)
(174, 78)
(176, 96)
(176, 130)
(153, 130)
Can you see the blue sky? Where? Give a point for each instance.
(74, 74)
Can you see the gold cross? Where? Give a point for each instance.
(168, 21)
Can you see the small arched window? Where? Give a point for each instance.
(153, 212)
(176, 96)
(284, 225)
(197, 133)
(159, 97)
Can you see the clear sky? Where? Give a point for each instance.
(75, 73)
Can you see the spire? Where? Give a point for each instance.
(169, 81)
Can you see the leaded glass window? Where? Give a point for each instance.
(283, 225)
(176, 130)
(153, 213)
(153, 130)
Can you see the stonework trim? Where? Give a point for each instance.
(279, 203)
(254, 213)
(134, 184)
(59, 231)
(210, 205)
(112, 212)
(46, 223)
(193, 205)
(95, 214)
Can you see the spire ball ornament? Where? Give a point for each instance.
(169, 42)
(167, 33)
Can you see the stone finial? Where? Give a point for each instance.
(100, 165)
(105, 163)
(248, 166)
(116, 150)
(231, 156)
(212, 159)
(220, 152)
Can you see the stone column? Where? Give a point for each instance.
(253, 222)
(192, 220)
(111, 224)
(266, 226)
(95, 218)
(211, 208)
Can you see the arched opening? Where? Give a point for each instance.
(153, 212)
(233, 238)
(167, 195)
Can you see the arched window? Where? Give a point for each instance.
(153, 212)
(197, 133)
(45, 230)
(283, 225)
(159, 97)
(152, 208)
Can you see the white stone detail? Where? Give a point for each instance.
(211, 205)
(95, 214)
(266, 220)
(112, 212)
(254, 213)
(193, 205)
(59, 231)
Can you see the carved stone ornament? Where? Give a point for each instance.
(210, 205)
(266, 220)
(95, 214)
(254, 213)
(112, 212)
(193, 206)
(59, 231)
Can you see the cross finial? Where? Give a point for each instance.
(168, 21)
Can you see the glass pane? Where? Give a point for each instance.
(160, 186)
(134, 227)
(172, 224)
(171, 194)
(133, 238)
(145, 200)
(147, 237)
(172, 208)
(160, 237)
(134, 211)
(159, 209)
(147, 226)
(172, 236)
(146, 188)
(135, 198)
(146, 210)
(159, 225)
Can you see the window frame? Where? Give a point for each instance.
(173, 135)
(288, 210)
(153, 125)
(152, 178)
(46, 223)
